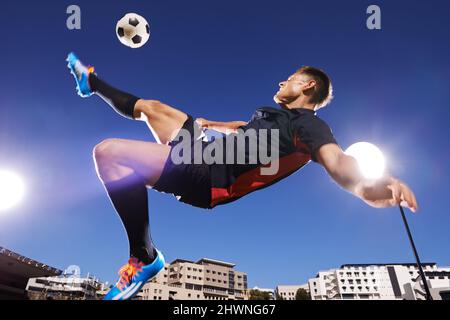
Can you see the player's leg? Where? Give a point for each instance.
(126, 167)
(163, 120)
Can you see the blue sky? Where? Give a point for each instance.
(220, 61)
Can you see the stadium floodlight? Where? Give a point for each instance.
(371, 163)
(12, 189)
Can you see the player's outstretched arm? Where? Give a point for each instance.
(224, 127)
(380, 193)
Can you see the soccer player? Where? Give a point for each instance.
(127, 167)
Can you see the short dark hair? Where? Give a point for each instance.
(323, 93)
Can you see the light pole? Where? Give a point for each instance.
(419, 264)
(371, 164)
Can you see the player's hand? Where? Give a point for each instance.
(202, 122)
(389, 192)
(402, 195)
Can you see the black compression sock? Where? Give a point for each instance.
(122, 102)
(130, 199)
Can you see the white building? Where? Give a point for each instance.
(379, 281)
(438, 283)
(288, 292)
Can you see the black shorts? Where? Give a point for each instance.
(189, 183)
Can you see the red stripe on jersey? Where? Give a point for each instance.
(253, 180)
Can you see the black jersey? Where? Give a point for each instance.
(300, 134)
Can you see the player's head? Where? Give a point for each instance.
(307, 84)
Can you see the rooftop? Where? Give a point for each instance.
(216, 262)
(432, 264)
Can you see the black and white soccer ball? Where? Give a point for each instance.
(133, 30)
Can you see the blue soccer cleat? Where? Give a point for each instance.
(81, 74)
(133, 276)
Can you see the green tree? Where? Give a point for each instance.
(302, 294)
(259, 295)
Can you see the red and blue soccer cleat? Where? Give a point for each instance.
(81, 74)
(133, 276)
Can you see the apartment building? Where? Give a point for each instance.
(206, 279)
(396, 281)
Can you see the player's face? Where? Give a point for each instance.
(291, 89)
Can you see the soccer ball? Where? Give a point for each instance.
(133, 30)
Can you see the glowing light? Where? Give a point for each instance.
(12, 189)
(370, 159)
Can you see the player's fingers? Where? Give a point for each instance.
(395, 188)
(416, 206)
(413, 199)
(407, 198)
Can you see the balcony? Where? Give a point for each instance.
(221, 292)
